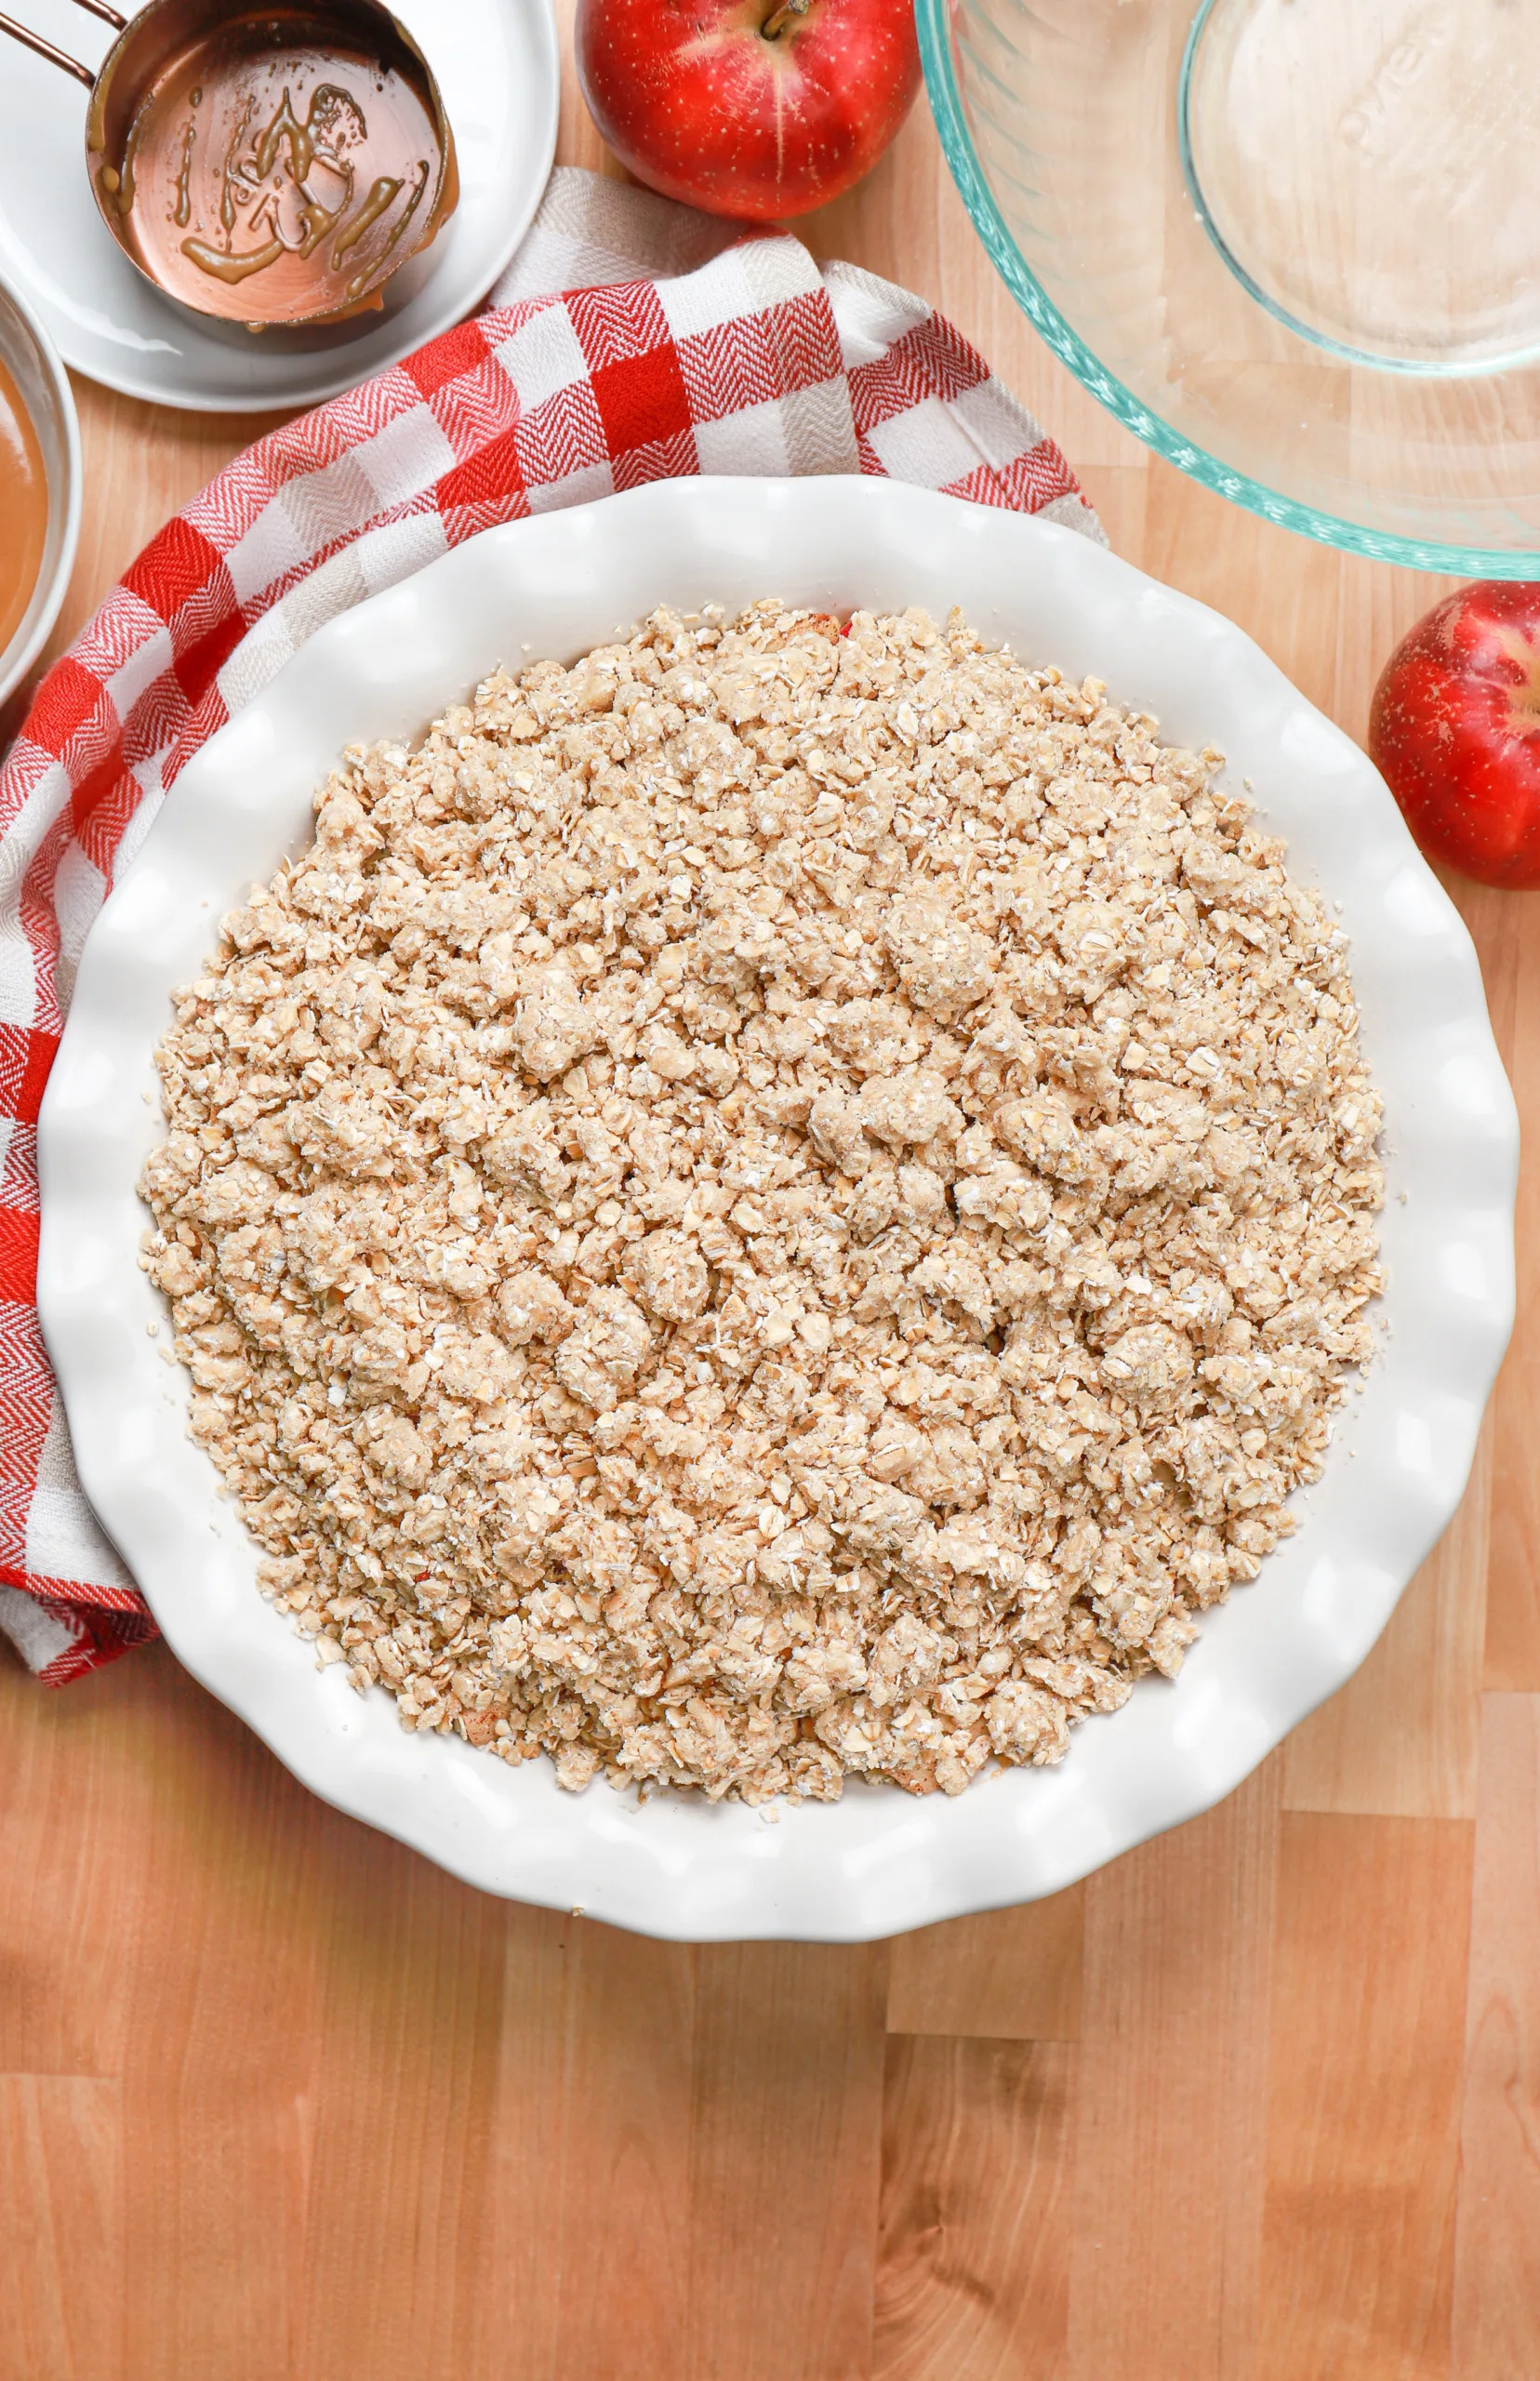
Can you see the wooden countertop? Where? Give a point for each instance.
(1260, 2101)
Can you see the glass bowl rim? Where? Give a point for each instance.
(933, 23)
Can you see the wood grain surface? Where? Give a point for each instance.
(1260, 2101)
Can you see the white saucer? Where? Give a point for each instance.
(498, 65)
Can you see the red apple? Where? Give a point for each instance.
(1455, 731)
(753, 108)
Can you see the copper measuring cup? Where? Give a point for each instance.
(272, 166)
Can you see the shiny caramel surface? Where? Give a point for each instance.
(23, 509)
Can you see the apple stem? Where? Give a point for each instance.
(789, 10)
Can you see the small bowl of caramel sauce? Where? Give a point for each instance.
(273, 165)
(40, 488)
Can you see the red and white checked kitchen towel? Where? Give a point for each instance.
(632, 339)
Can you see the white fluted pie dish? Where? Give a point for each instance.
(879, 1861)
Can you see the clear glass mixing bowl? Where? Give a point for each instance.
(1295, 244)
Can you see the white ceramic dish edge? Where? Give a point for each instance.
(37, 368)
(877, 1862)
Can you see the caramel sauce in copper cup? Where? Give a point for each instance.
(271, 165)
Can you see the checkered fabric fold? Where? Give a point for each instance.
(631, 341)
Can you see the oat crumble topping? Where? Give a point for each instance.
(769, 1207)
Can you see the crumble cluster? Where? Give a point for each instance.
(773, 1206)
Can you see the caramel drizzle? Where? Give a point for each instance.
(232, 268)
(361, 281)
(370, 213)
(184, 193)
(227, 196)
